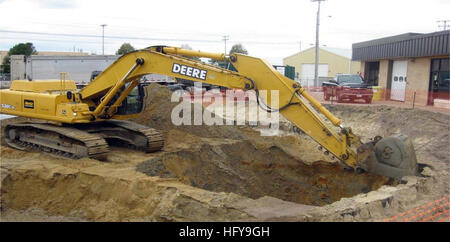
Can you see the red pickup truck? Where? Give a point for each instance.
(349, 87)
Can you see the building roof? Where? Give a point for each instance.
(61, 53)
(70, 57)
(386, 40)
(3, 54)
(404, 45)
(347, 53)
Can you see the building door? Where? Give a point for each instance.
(308, 74)
(440, 80)
(371, 71)
(398, 82)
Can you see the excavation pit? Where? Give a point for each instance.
(244, 169)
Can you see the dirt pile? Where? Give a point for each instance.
(158, 110)
(429, 131)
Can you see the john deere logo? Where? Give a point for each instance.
(28, 103)
(189, 71)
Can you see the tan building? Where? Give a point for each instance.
(332, 61)
(409, 67)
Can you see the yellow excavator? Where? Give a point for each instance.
(84, 122)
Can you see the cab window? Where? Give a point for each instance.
(133, 103)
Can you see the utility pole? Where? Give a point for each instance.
(300, 46)
(103, 38)
(316, 64)
(444, 24)
(225, 38)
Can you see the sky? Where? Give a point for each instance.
(271, 30)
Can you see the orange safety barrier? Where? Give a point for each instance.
(436, 211)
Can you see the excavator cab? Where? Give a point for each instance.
(134, 102)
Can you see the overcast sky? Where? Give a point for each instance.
(268, 29)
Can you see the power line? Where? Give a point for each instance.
(144, 29)
(106, 37)
(144, 38)
(51, 40)
(444, 25)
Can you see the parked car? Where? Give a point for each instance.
(349, 87)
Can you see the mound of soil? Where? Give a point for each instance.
(158, 110)
(429, 131)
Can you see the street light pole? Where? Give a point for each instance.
(103, 38)
(316, 64)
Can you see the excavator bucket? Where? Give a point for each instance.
(392, 157)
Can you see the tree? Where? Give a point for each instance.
(26, 49)
(125, 48)
(238, 48)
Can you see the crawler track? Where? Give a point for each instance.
(83, 140)
(63, 141)
(133, 135)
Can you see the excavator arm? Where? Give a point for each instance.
(253, 74)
